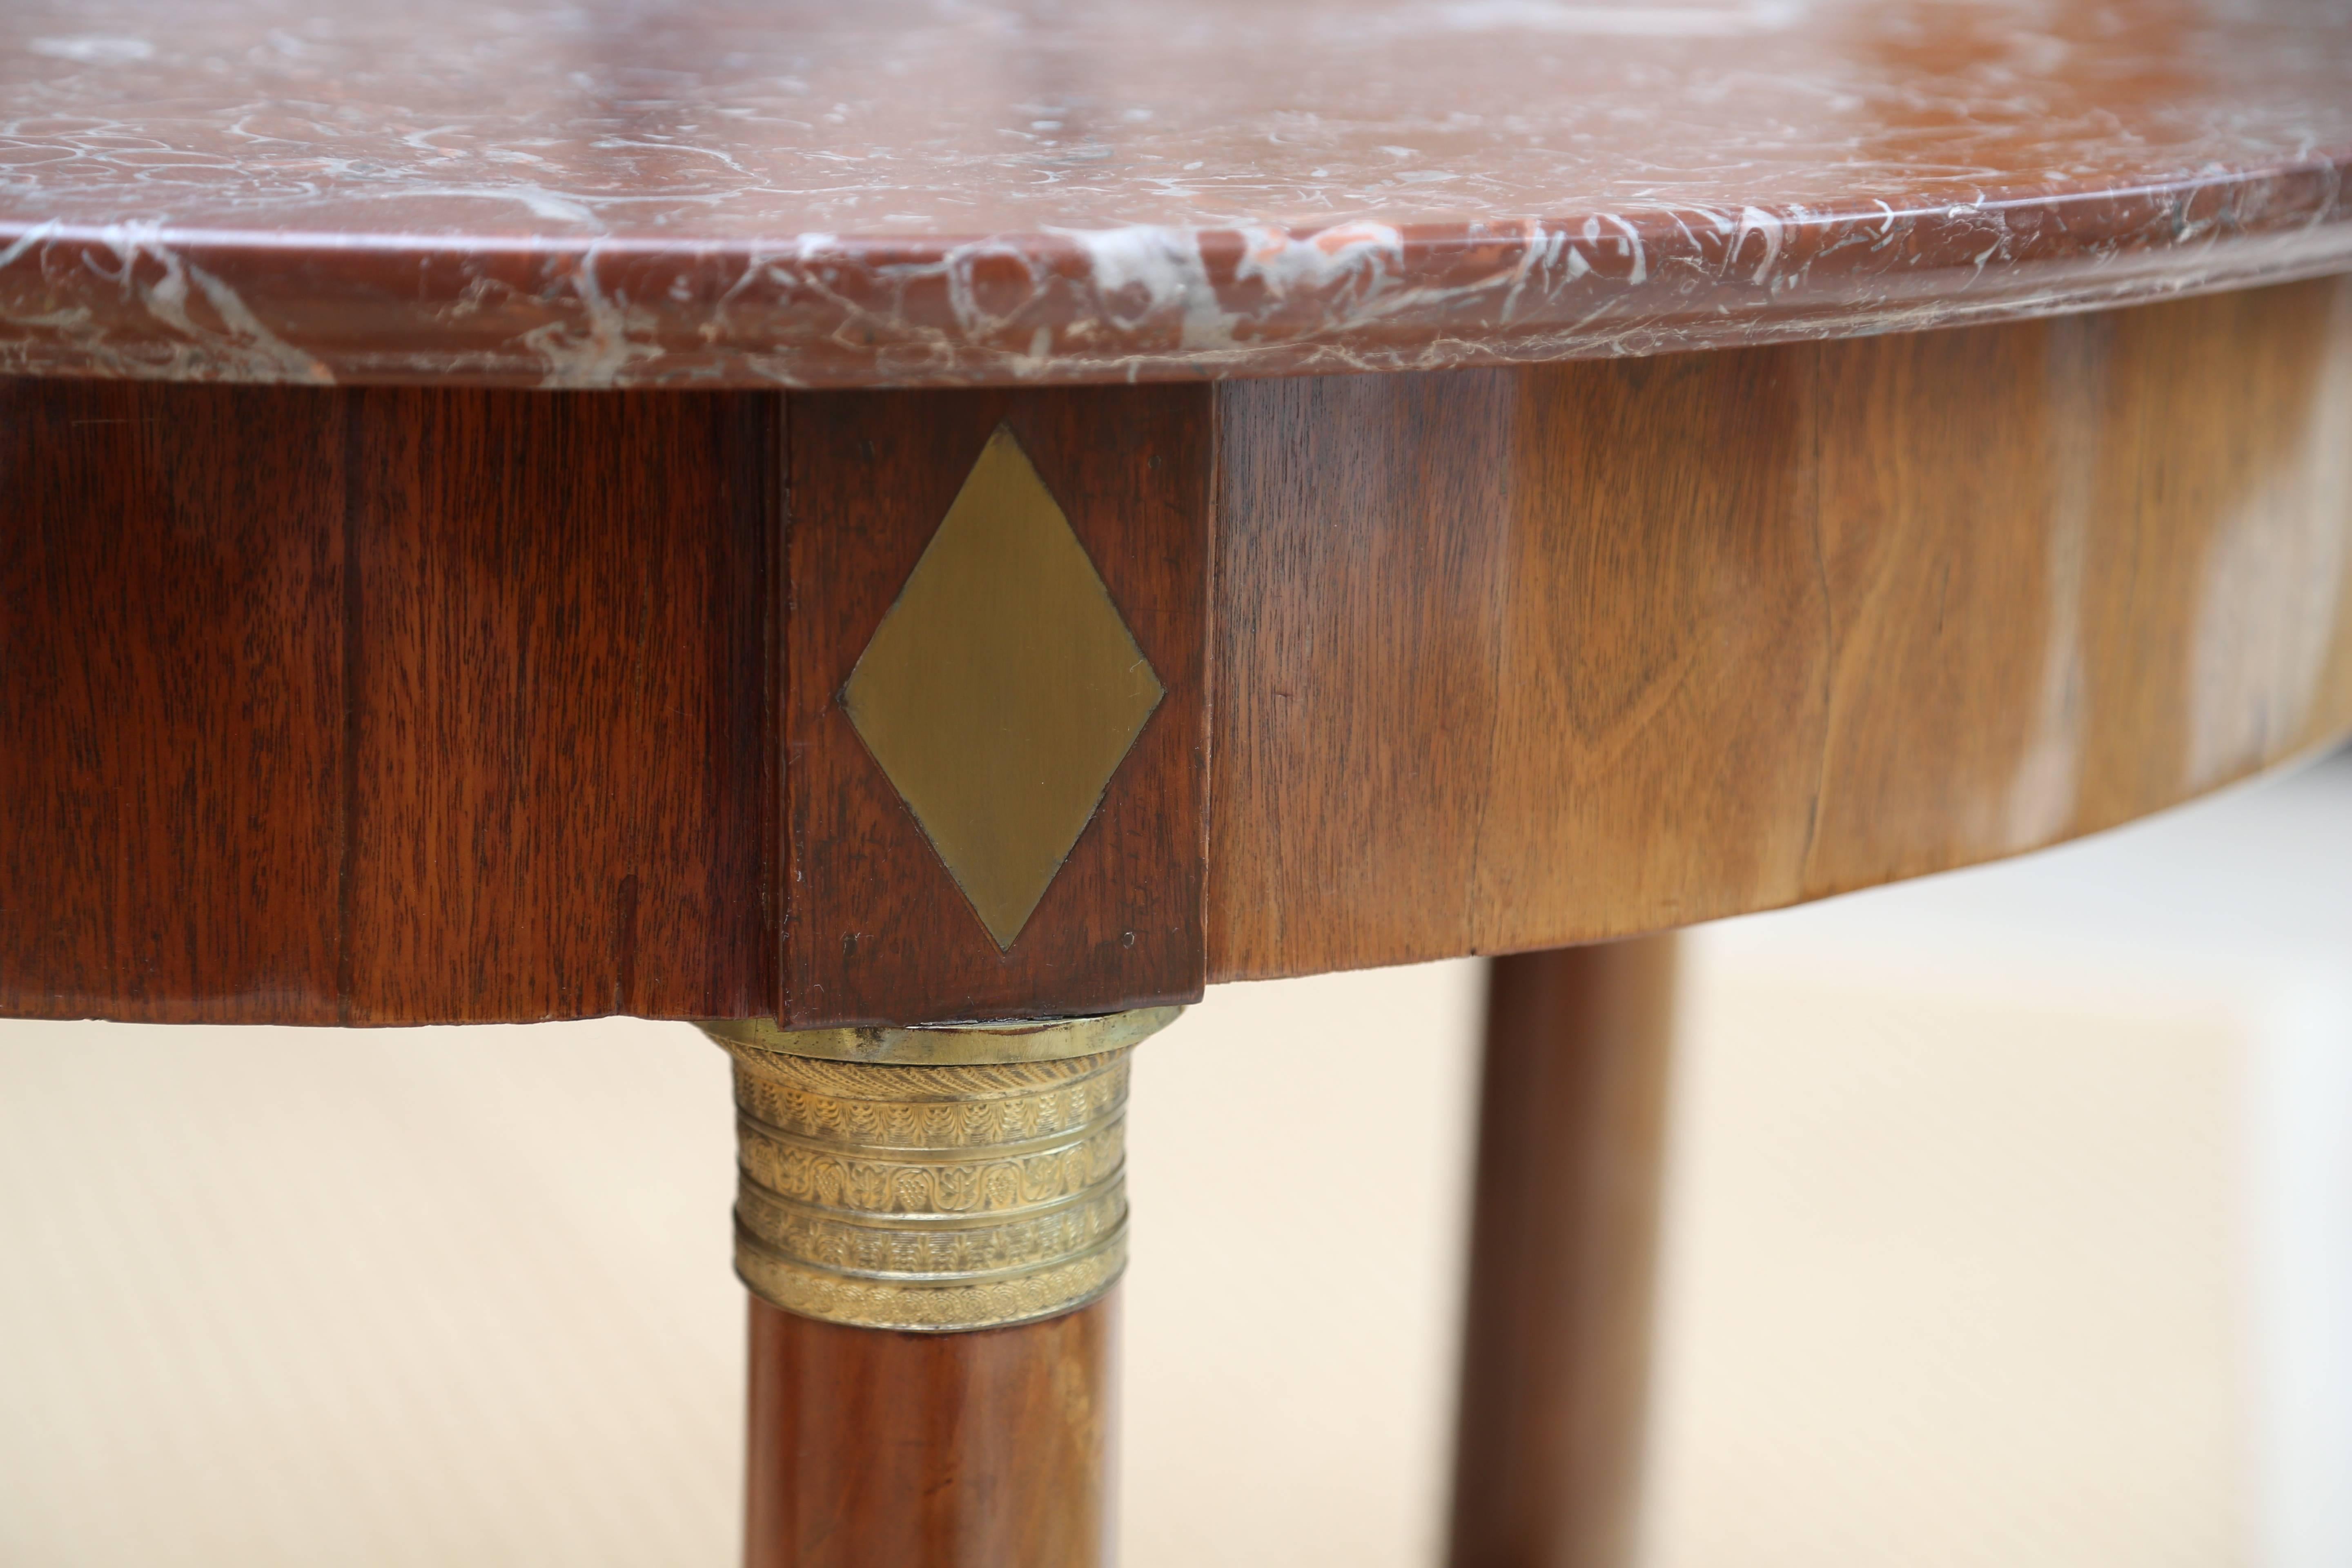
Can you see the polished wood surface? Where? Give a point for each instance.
(171, 669)
(1511, 659)
(877, 1449)
(381, 706)
(1563, 1258)
(405, 707)
(875, 930)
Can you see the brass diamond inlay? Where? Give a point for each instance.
(1002, 688)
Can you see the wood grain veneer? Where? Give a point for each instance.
(876, 928)
(557, 705)
(1512, 660)
(172, 672)
(381, 706)
(412, 706)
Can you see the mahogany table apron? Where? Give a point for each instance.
(934, 747)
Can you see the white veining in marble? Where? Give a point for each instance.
(696, 193)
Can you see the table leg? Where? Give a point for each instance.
(1563, 1254)
(931, 1221)
(871, 1448)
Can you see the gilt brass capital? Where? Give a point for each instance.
(912, 1186)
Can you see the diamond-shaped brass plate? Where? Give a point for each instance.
(1002, 691)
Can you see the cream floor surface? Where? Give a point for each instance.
(1974, 1254)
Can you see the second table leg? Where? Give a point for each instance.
(1555, 1372)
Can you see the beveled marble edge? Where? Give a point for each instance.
(1126, 304)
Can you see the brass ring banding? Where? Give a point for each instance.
(933, 1198)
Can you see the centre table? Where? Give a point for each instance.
(919, 536)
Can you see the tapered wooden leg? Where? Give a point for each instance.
(931, 1222)
(1555, 1368)
(872, 1448)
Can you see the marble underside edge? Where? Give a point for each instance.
(1133, 303)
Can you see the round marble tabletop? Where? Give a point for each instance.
(606, 193)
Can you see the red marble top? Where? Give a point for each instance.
(610, 193)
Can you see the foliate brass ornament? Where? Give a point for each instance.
(933, 1198)
(1003, 690)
